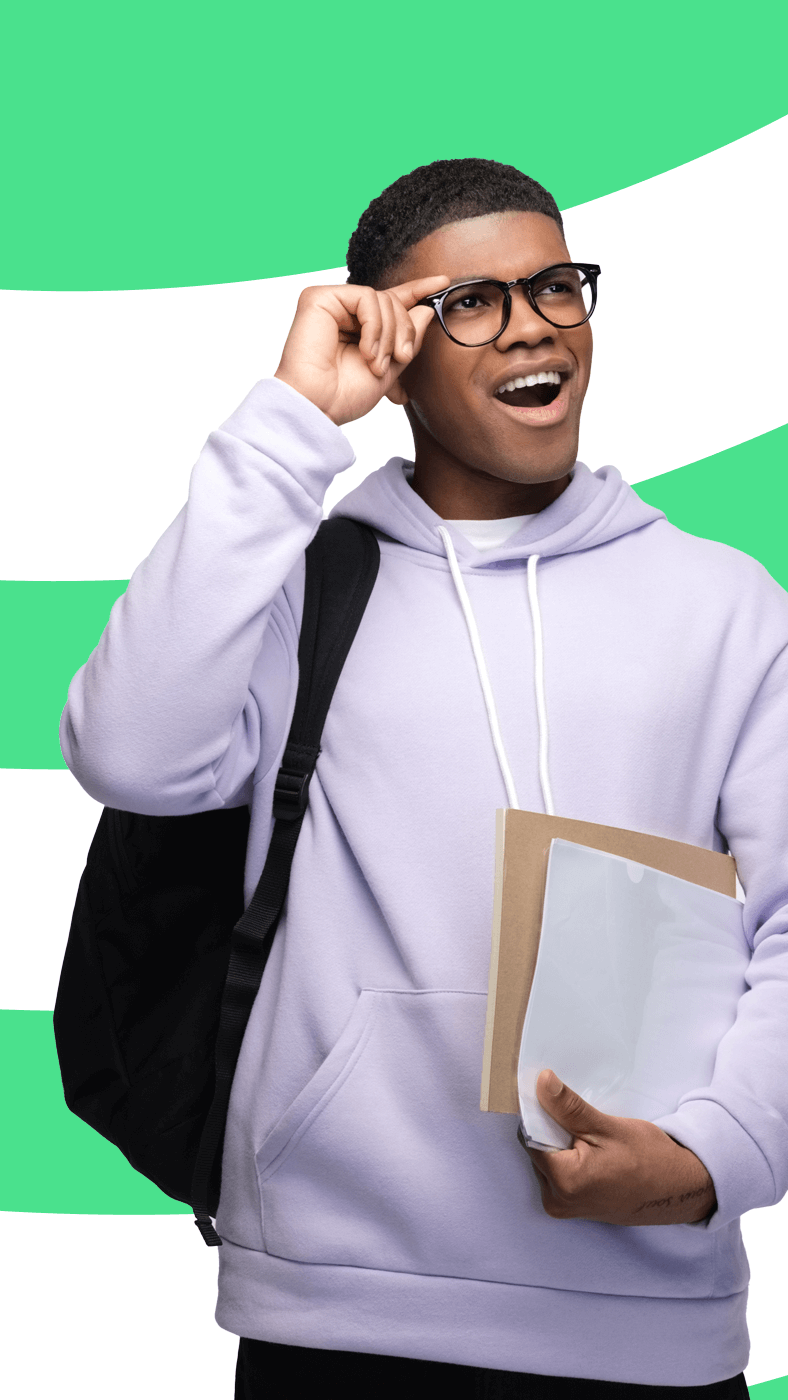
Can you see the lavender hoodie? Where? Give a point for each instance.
(368, 1204)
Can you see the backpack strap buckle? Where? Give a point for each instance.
(291, 789)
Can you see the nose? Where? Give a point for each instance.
(525, 326)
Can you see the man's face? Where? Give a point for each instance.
(450, 390)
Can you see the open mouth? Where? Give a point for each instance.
(531, 391)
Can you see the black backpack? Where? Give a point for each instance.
(162, 964)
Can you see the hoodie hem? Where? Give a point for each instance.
(647, 1341)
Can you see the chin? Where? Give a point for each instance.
(545, 462)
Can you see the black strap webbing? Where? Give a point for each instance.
(341, 567)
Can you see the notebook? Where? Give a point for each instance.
(524, 852)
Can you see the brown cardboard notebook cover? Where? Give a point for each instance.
(522, 848)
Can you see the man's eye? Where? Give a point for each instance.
(560, 287)
(471, 301)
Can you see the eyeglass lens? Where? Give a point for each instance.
(474, 313)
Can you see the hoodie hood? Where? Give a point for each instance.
(595, 507)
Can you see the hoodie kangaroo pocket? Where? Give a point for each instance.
(385, 1161)
(355, 1170)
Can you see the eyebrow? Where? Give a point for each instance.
(491, 277)
(478, 277)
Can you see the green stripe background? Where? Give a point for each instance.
(168, 144)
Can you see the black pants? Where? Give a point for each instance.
(267, 1369)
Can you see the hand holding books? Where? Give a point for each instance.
(619, 1171)
(620, 958)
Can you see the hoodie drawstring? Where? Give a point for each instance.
(484, 679)
(541, 704)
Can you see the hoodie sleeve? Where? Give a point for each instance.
(163, 718)
(738, 1126)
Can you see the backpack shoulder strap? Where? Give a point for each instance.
(341, 567)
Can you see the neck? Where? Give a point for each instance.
(465, 493)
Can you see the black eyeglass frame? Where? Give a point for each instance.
(436, 300)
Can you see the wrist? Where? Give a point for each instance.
(699, 1197)
(306, 391)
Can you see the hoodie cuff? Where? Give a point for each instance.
(288, 429)
(742, 1177)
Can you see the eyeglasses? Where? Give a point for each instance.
(477, 312)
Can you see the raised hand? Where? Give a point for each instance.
(621, 1171)
(348, 345)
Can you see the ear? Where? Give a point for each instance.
(398, 393)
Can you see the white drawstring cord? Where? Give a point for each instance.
(541, 707)
(481, 667)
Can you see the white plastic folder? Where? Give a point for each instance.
(638, 977)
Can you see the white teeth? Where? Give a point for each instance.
(550, 376)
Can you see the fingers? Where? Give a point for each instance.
(394, 334)
(386, 325)
(567, 1108)
(409, 293)
(562, 1177)
(389, 332)
(368, 311)
(386, 331)
(406, 333)
(420, 317)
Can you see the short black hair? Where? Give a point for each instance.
(431, 196)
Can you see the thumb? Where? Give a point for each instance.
(396, 392)
(567, 1108)
(421, 317)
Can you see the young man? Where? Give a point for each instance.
(375, 1221)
